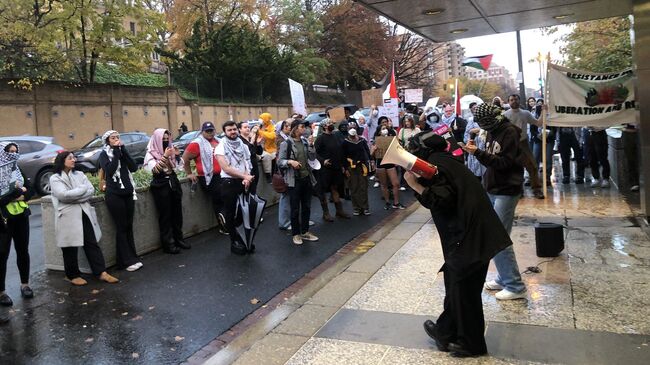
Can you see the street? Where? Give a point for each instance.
(172, 307)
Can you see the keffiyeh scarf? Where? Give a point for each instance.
(206, 151)
(117, 176)
(237, 153)
(9, 171)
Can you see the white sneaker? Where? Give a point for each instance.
(311, 223)
(492, 285)
(508, 295)
(605, 184)
(297, 240)
(401, 188)
(595, 183)
(133, 267)
(309, 237)
(376, 185)
(371, 178)
(634, 188)
(139, 264)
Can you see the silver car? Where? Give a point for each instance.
(36, 159)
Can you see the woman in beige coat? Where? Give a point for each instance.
(75, 220)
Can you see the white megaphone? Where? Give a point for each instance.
(396, 154)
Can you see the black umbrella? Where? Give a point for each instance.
(249, 213)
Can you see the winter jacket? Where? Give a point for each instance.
(505, 172)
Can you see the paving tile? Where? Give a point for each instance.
(400, 355)
(306, 320)
(274, 349)
(401, 284)
(323, 351)
(615, 299)
(376, 257)
(404, 231)
(340, 289)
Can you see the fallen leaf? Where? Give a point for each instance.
(172, 348)
(136, 318)
(135, 355)
(125, 313)
(89, 340)
(61, 300)
(94, 291)
(152, 307)
(179, 338)
(84, 303)
(181, 265)
(255, 301)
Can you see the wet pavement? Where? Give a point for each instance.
(589, 305)
(174, 305)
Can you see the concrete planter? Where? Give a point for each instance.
(198, 217)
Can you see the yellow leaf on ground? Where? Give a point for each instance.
(255, 301)
(179, 338)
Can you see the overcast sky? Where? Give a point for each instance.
(504, 48)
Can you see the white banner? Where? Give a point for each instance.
(298, 97)
(413, 96)
(580, 99)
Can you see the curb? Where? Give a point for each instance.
(229, 346)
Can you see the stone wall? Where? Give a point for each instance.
(74, 115)
(198, 217)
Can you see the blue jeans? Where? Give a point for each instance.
(505, 261)
(284, 211)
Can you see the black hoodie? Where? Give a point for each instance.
(469, 228)
(505, 173)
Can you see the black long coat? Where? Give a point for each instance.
(470, 230)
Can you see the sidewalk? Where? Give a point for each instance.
(590, 305)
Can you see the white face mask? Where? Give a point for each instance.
(375, 113)
(384, 132)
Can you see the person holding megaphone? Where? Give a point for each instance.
(470, 234)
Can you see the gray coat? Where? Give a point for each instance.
(70, 195)
(283, 162)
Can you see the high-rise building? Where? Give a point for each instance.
(448, 62)
(497, 74)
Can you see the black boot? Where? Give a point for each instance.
(171, 248)
(182, 244)
(238, 248)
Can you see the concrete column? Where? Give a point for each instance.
(43, 118)
(641, 12)
(172, 112)
(117, 115)
(196, 117)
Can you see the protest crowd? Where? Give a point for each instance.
(340, 157)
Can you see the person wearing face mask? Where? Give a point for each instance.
(373, 122)
(328, 152)
(503, 181)
(356, 154)
(455, 123)
(15, 191)
(162, 160)
(388, 172)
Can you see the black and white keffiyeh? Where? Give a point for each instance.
(237, 153)
(9, 171)
(117, 176)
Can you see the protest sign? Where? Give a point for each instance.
(413, 95)
(297, 97)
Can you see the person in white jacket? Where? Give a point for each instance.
(75, 220)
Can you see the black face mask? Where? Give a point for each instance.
(165, 145)
(330, 127)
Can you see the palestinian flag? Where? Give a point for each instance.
(479, 62)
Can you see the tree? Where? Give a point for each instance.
(356, 44)
(236, 56)
(28, 41)
(55, 39)
(599, 46)
(96, 29)
(415, 61)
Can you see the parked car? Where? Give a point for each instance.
(37, 155)
(316, 117)
(88, 155)
(183, 140)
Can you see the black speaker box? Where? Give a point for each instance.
(549, 239)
